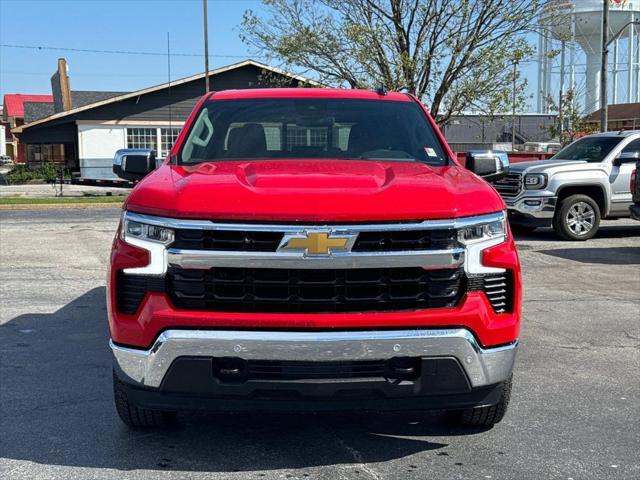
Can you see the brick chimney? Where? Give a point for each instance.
(61, 88)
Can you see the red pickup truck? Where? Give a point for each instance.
(312, 249)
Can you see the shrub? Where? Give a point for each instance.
(47, 172)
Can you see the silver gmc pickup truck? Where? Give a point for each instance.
(576, 188)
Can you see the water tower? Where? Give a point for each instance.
(577, 25)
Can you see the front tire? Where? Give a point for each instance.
(484, 416)
(134, 416)
(578, 218)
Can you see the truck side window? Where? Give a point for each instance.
(199, 137)
(633, 147)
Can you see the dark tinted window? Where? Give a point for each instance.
(633, 147)
(311, 128)
(591, 149)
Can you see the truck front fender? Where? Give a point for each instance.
(597, 189)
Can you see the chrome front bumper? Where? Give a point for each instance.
(482, 366)
(534, 207)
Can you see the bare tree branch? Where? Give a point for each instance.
(453, 54)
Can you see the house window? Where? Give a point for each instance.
(296, 136)
(317, 137)
(306, 137)
(142, 138)
(168, 137)
(45, 153)
(165, 137)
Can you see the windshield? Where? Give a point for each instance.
(590, 149)
(311, 128)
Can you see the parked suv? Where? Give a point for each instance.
(312, 249)
(580, 185)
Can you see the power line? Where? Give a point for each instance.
(115, 52)
(154, 54)
(93, 74)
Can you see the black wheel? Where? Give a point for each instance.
(137, 417)
(521, 229)
(578, 218)
(484, 416)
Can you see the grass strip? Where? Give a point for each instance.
(61, 200)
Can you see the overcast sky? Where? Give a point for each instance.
(123, 25)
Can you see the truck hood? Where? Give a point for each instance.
(545, 166)
(307, 190)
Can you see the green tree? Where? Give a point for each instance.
(453, 54)
(573, 122)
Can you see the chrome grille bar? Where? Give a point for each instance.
(510, 185)
(205, 259)
(178, 223)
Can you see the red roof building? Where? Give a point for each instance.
(13, 116)
(14, 103)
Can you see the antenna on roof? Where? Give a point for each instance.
(206, 47)
(170, 137)
(380, 90)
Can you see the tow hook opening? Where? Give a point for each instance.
(230, 369)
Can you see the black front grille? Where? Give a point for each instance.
(510, 185)
(258, 241)
(498, 287)
(227, 240)
(314, 291)
(132, 289)
(392, 241)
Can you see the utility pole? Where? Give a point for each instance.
(206, 47)
(513, 107)
(561, 100)
(604, 107)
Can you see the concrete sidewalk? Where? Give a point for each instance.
(49, 190)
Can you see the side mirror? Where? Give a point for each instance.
(134, 163)
(490, 165)
(626, 157)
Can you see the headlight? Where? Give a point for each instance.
(478, 237)
(483, 232)
(535, 181)
(142, 231)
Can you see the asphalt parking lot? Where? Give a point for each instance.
(575, 409)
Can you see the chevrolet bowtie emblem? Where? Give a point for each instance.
(317, 243)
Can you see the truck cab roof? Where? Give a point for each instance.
(341, 93)
(620, 133)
